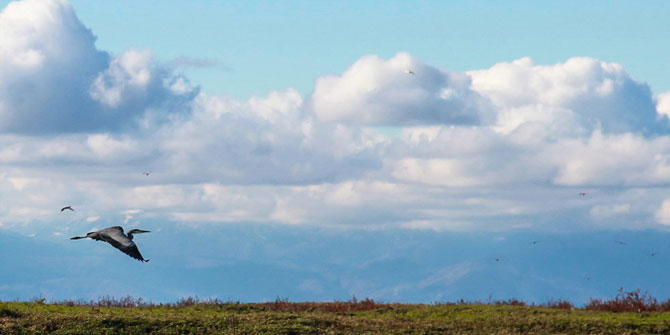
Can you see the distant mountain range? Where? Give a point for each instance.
(254, 263)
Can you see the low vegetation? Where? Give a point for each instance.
(632, 301)
(628, 313)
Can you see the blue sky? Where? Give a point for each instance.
(288, 140)
(263, 45)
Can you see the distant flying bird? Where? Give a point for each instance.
(409, 72)
(67, 207)
(534, 242)
(582, 194)
(498, 259)
(620, 242)
(116, 237)
(146, 173)
(654, 253)
(588, 278)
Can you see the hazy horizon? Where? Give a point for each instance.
(319, 151)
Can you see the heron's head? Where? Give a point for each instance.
(136, 231)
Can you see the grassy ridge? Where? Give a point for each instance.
(233, 318)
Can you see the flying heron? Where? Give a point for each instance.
(67, 207)
(116, 237)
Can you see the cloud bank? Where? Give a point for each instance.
(580, 95)
(501, 148)
(399, 92)
(55, 80)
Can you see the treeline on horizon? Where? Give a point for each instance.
(625, 301)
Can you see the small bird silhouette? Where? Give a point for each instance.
(534, 242)
(498, 259)
(653, 254)
(620, 242)
(409, 72)
(146, 173)
(67, 207)
(582, 194)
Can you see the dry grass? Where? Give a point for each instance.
(625, 301)
(285, 305)
(351, 317)
(353, 305)
(558, 304)
(632, 301)
(109, 315)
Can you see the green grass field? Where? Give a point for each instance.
(322, 318)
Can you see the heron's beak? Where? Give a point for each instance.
(77, 237)
(139, 231)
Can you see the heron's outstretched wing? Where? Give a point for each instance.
(116, 237)
(133, 252)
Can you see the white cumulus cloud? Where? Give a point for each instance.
(54, 80)
(577, 96)
(663, 212)
(376, 92)
(663, 104)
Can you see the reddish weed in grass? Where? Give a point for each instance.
(353, 305)
(558, 304)
(632, 301)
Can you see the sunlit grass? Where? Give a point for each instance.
(194, 316)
